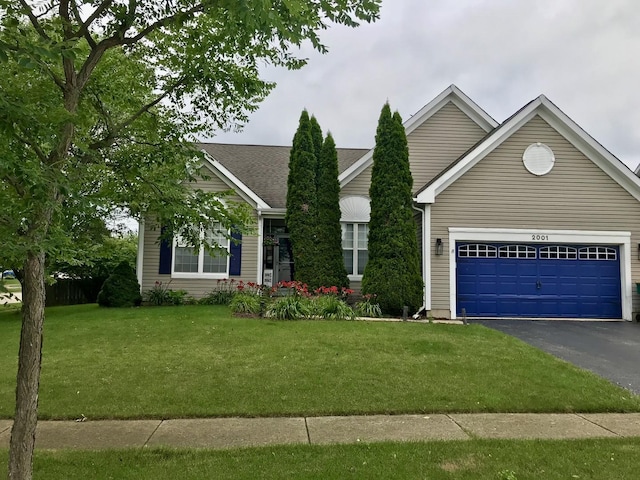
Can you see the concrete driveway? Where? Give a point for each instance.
(610, 349)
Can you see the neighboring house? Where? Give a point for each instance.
(528, 218)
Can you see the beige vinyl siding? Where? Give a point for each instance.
(434, 145)
(439, 141)
(196, 287)
(359, 186)
(500, 193)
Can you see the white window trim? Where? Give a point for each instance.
(199, 274)
(355, 277)
(582, 237)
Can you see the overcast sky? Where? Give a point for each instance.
(584, 55)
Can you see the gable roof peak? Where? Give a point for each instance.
(456, 96)
(559, 121)
(451, 94)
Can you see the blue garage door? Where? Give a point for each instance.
(555, 281)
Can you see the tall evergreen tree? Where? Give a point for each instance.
(301, 202)
(330, 270)
(316, 137)
(393, 269)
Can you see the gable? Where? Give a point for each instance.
(561, 123)
(439, 141)
(457, 123)
(433, 145)
(574, 191)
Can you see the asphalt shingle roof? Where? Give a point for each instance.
(264, 168)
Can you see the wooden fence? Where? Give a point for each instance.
(69, 291)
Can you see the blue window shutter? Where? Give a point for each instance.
(165, 254)
(235, 249)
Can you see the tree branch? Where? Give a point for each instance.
(63, 11)
(16, 184)
(36, 149)
(113, 134)
(46, 11)
(118, 38)
(56, 79)
(107, 117)
(34, 20)
(83, 31)
(94, 57)
(80, 32)
(161, 23)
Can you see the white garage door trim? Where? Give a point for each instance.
(622, 239)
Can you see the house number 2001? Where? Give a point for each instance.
(539, 237)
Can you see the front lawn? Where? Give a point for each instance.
(169, 362)
(473, 459)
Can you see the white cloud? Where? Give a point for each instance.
(502, 53)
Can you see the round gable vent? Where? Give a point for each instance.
(538, 159)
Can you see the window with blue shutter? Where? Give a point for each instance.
(235, 250)
(165, 254)
(198, 262)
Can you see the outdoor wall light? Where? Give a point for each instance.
(639, 251)
(439, 246)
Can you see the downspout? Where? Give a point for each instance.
(423, 308)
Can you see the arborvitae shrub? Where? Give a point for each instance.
(393, 270)
(121, 288)
(301, 216)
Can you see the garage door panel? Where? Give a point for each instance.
(543, 281)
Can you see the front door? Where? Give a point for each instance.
(283, 260)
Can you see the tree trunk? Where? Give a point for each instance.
(23, 434)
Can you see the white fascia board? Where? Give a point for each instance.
(454, 95)
(234, 182)
(560, 122)
(429, 194)
(451, 94)
(356, 169)
(274, 213)
(599, 155)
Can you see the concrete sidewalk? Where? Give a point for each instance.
(220, 433)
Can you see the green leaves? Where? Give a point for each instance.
(99, 104)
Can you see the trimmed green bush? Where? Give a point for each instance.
(121, 288)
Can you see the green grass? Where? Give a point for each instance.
(477, 459)
(198, 361)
